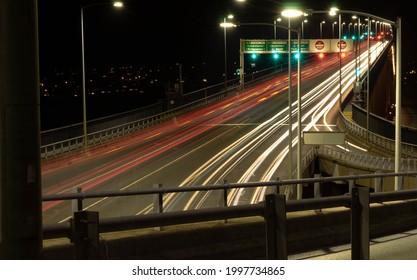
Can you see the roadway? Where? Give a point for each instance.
(242, 139)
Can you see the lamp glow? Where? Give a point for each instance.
(227, 24)
(291, 13)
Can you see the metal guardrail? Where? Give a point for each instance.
(407, 149)
(273, 209)
(373, 162)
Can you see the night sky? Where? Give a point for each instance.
(161, 31)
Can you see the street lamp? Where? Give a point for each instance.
(116, 4)
(291, 13)
(349, 30)
(333, 24)
(225, 25)
(302, 28)
(321, 29)
(275, 26)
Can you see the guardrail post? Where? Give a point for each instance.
(317, 190)
(351, 182)
(359, 213)
(378, 183)
(223, 198)
(85, 235)
(276, 187)
(317, 184)
(158, 202)
(77, 205)
(276, 230)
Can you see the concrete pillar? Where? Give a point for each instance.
(20, 177)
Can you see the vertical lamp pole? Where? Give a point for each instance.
(225, 52)
(83, 80)
(367, 81)
(116, 4)
(225, 25)
(302, 28)
(398, 185)
(321, 29)
(290, 13)
(340, 61)
(289, 102)
(299, 128)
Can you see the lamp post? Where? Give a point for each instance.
(225, 24)
(302, 28)
(321, 29)
(349, 30)
(291, 13)
(116, 4)
(333, 24)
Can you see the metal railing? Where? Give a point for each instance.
(273, 209)
(363, 160)
(351, 127)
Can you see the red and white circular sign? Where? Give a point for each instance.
(343, 43)
(319, 45)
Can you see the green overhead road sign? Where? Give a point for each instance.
(255, 46)
(279, 46)
(304, 46)
(273, 46)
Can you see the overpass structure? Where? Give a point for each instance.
(80, 230)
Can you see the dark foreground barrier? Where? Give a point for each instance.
(269, 230)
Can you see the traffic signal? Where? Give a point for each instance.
(297, 55)
(275, 56)
(254, 56)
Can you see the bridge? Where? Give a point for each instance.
(361, 161)
(241, 137)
